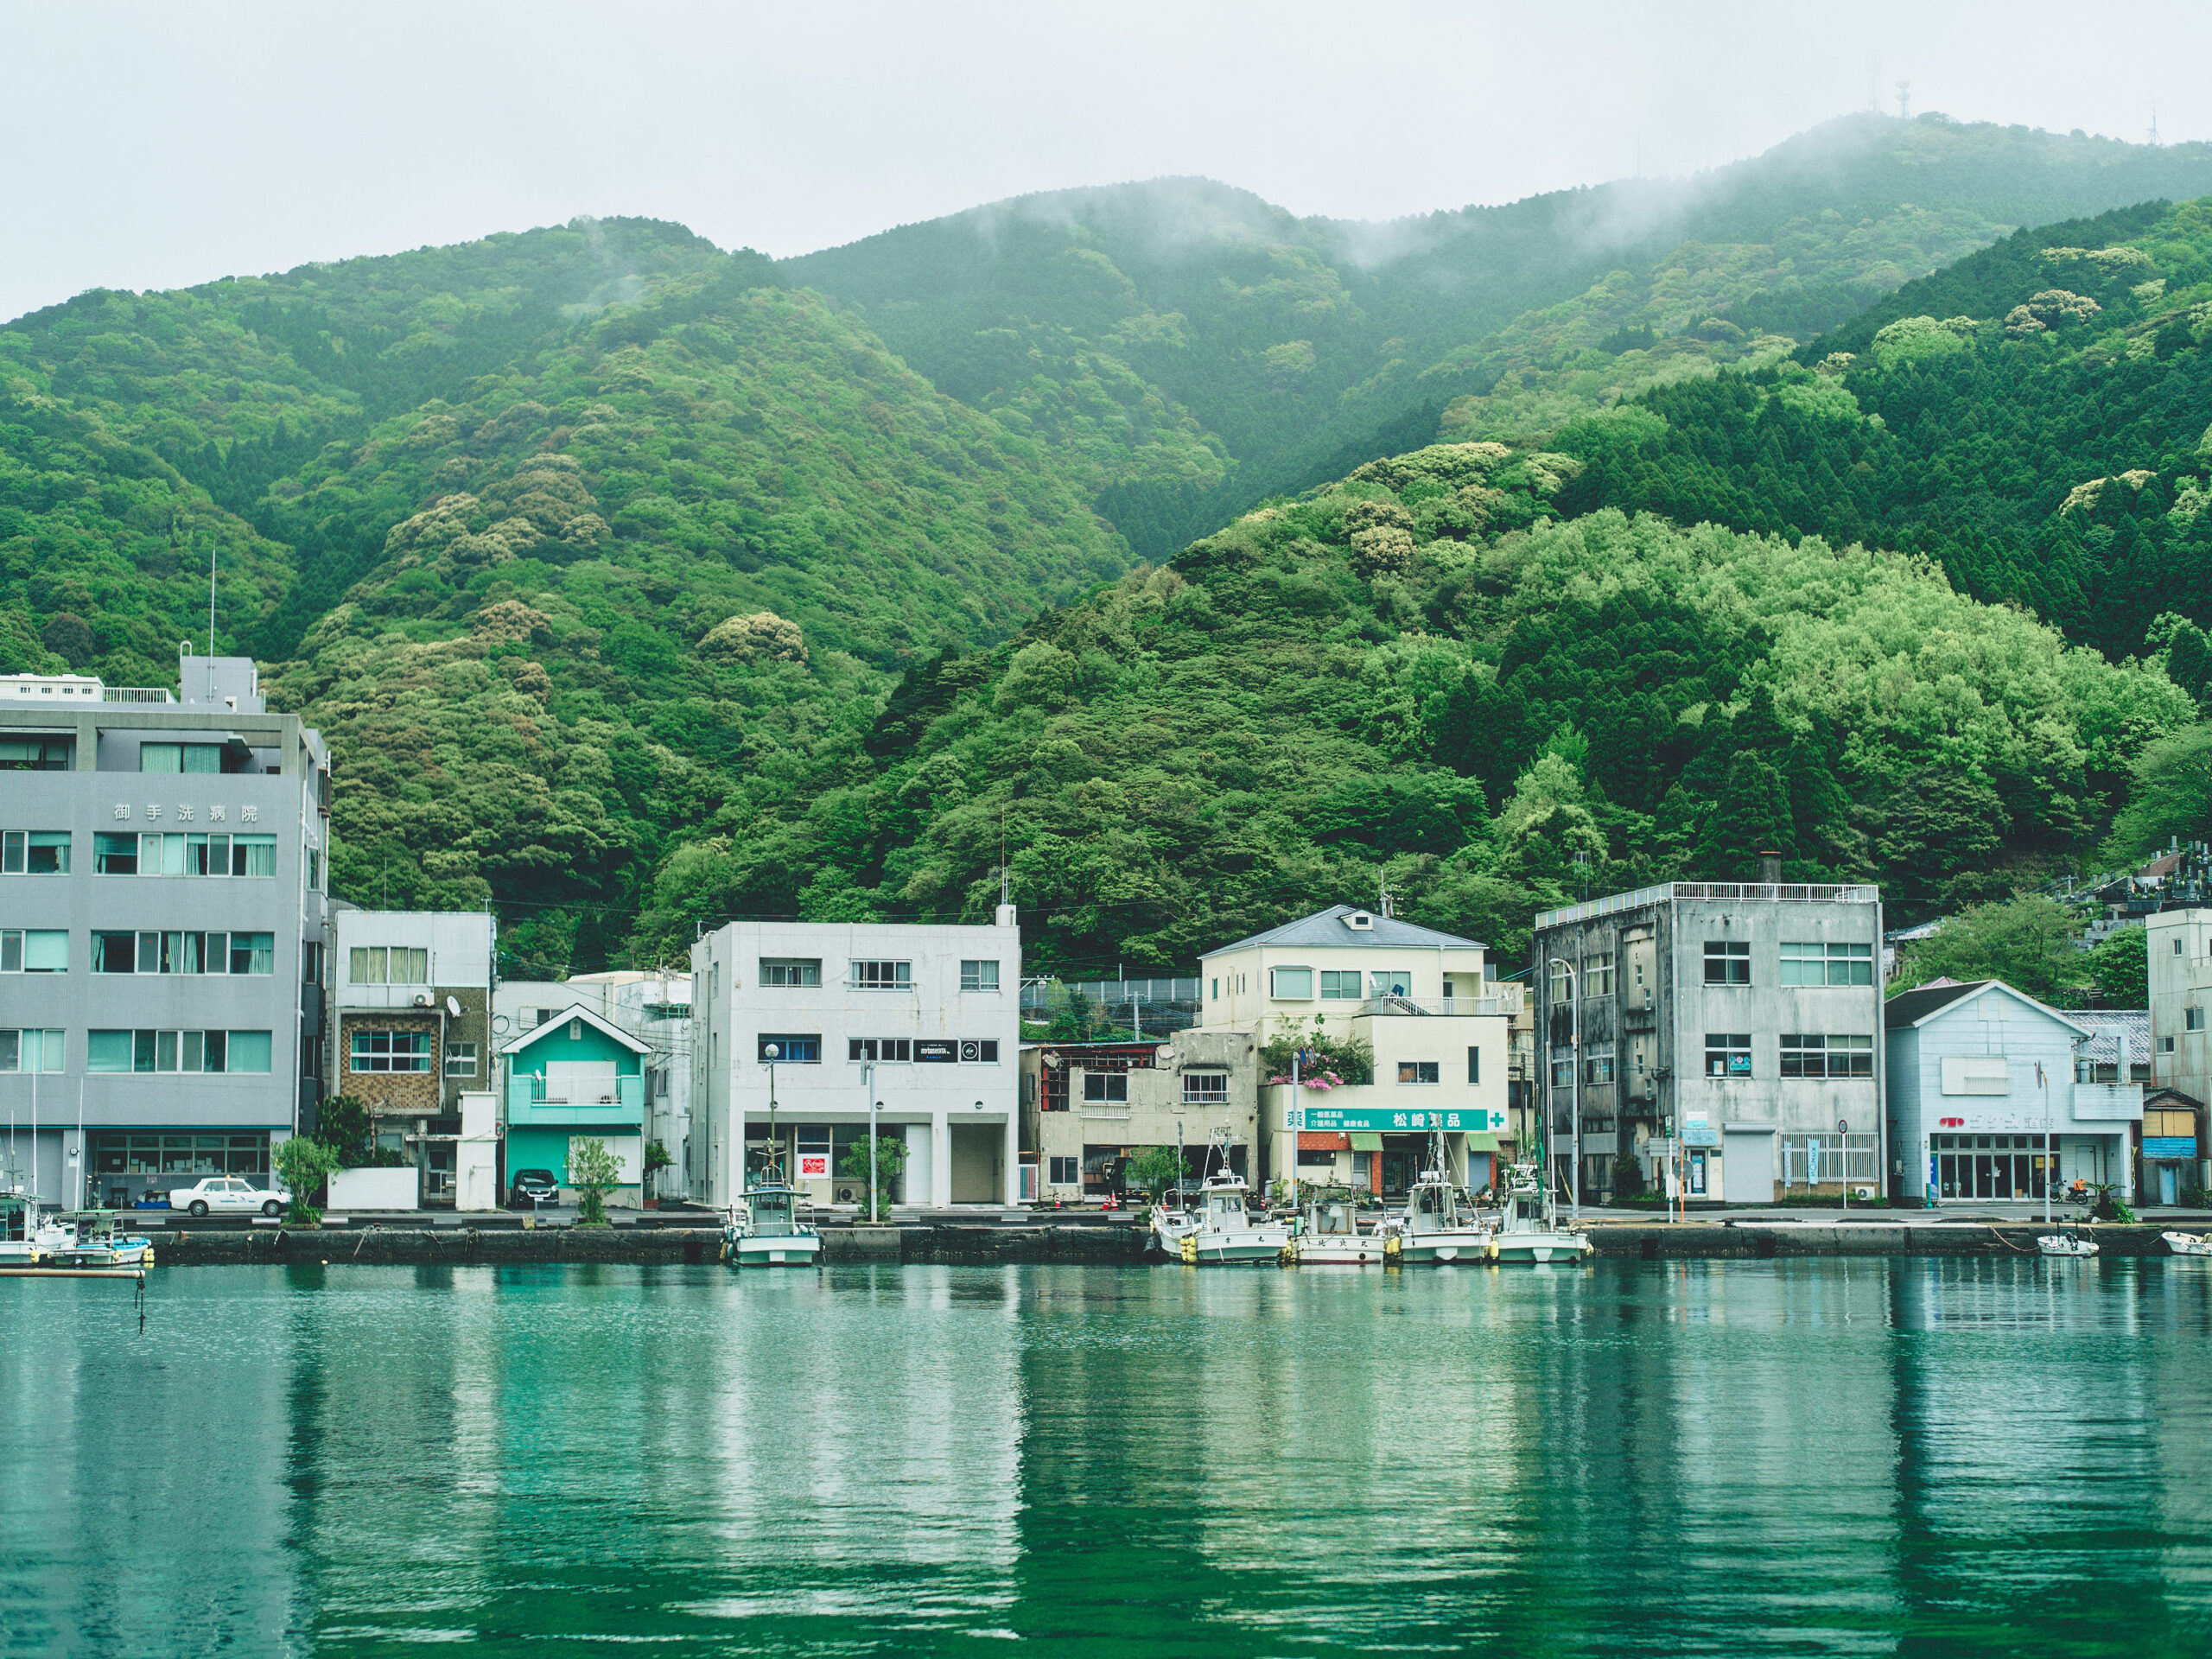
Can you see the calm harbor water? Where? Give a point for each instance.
(1903, 1457)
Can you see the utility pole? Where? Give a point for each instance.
(1574, 1088)
(868, 1082)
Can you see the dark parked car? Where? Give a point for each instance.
(531, 1188)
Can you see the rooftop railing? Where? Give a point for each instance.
(1507, 1003)
(1787, 892)
(137, 694)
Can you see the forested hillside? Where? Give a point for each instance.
(2037, 418)
(1202, 350)
(1422, 674)
(637, 587)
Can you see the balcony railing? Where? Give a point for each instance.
(1507, 1003)
(1790, 892)
(135, 694)
(531, 1099)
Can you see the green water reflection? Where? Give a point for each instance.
(1819, 1457)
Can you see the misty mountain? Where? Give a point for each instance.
(1292, 349)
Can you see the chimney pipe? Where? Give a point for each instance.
(1770, 866)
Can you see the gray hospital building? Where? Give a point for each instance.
(162, 931)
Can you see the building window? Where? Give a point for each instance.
(1067, 1172)
(34, 852)
(979, 975)
(1206, 1088)
(1562, 981)
(1562, 1070)
(460, 1059)
(1598, 974)
(894, 1049)
(1727, 1054)
(1217, 989)
(178, 1051)
(2177, 947)
(1598, 1068)
(184, 953)
(222, 855)
(31, 1050)
(790, 1050)
(1418, 1071)
(1340, 985)
(181, 757)
(2165, 1045)
(1291, 984)
(34, 754)
(1396, 981)
(1808, 961)
(34, 950)
(115, 855)
(2192, 1019)
(1108, 1087)
(784, 973)
(1805, 1055)
(883, 976)
(1728, 962)
(394, 965)
(390, 1051)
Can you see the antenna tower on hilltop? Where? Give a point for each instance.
(2154, 123)
(1904, 100)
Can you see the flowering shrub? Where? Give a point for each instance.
(1318, 1080)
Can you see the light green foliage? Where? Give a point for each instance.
(2027, 942)
(304, 1163)
(1154, 1169)
(1915, 339)
(2171, 797)
(1327, 1053)
(890, 1162)
(2119, 968)
(592, 1171)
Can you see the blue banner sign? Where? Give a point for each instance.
(2170, 1147)
(1700, 1135)
(1405, 1121)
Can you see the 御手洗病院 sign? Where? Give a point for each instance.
(1403, 1120)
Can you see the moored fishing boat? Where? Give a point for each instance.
(1226, 1234)
(90, 1240)
(1329, 1236)
(1528, 1229)
(28, 1232)
(764, 1230)
(1172, 1218)
(2190, 1244)
(1439, 1224)
(2066, 1244)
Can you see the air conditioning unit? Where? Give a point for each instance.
(1863, 1191)
(422, 1000)
(848, 1195)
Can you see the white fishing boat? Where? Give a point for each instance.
(1528, 1228)
(2198, 1244)
(1226, 1234)
(1172, 1218)
(90, 1240)
(1439, 1223)
(2066, 1244)
(1329, 1236)
(28, 1232)
(764, 1230)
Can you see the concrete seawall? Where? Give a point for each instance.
(1084, 1245)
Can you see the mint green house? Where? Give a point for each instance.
(575, 1077)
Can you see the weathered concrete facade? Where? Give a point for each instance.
(1742, 1020)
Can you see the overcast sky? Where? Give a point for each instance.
(152, 145)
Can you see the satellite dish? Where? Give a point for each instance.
(452, 1007)
(1165, 1053)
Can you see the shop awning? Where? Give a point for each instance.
(1366, 1140)
(1482, 1141)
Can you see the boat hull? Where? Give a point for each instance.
(2052, 1245)
(1435, 1249)
(791, 1250)
(1334, 1252)
(1538, 1247)
(2194, 1245)
(1235, 1249)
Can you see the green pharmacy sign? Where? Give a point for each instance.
(1389, 1118)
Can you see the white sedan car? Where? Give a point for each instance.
(225, 1195)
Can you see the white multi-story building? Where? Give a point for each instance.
(811, 1011)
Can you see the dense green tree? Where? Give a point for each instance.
(2027, 942)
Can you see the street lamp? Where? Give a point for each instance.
(771, 1052)
(868, 1082)
(1574, 1086)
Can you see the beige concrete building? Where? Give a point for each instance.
(1423, 1002)
(1088, 1108)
